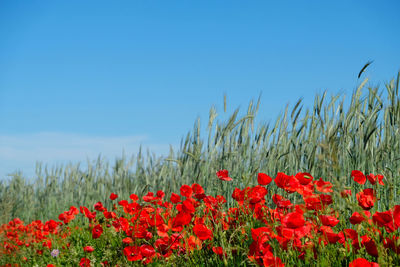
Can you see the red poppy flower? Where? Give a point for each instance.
(361, 262)
(197, 189)
(328, 220)
(282, 180)
(147, 251)
(88, 249)
(369, 245)
(181, 219)
(293, 220)
(373, 178)
(358, 218)
(257, 194)
(366, 198)
(175, 198)
(84, 262)
(97, 231)
(202, 232)
(219, 251)
(134, 197)
(187, 206)
(99, 206)
(396, 215)
(132, 253)
(127, 240)
(323, 186)
(223, 175)
(358, 176)
(263, 179)
(113, 196)
(281, 202)
(330, 236)
(382, 218)
(304, 178)
(186, 191)
(270, 260)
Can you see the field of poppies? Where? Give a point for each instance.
(310, 222)
(333, 199)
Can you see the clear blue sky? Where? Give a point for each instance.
(82, 77)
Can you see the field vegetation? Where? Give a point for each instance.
(331, 140)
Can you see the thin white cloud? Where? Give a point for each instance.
(21, 152)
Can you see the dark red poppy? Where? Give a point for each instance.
(396, 216)
(97, 231)
(263, 179)
(358, 176)
(99, 206)
(369, 245)
(224, 175)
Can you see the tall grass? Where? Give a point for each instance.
(328, 140)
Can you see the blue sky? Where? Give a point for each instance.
(79, 78)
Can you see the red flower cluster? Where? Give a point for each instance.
(155, 228)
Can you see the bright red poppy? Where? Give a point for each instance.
(175, 198)
(328, 220)
(186, 191)
(88, 249)
(202, 232)
(84, 262)
(132, 253)
(263, 179)
(224, 175)
(147, 251)
(366, 198)
(304, 178)
(293, 220)
(113, 196)
(373, 178)
(361, 262)
(358, 176)
(358, 218)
